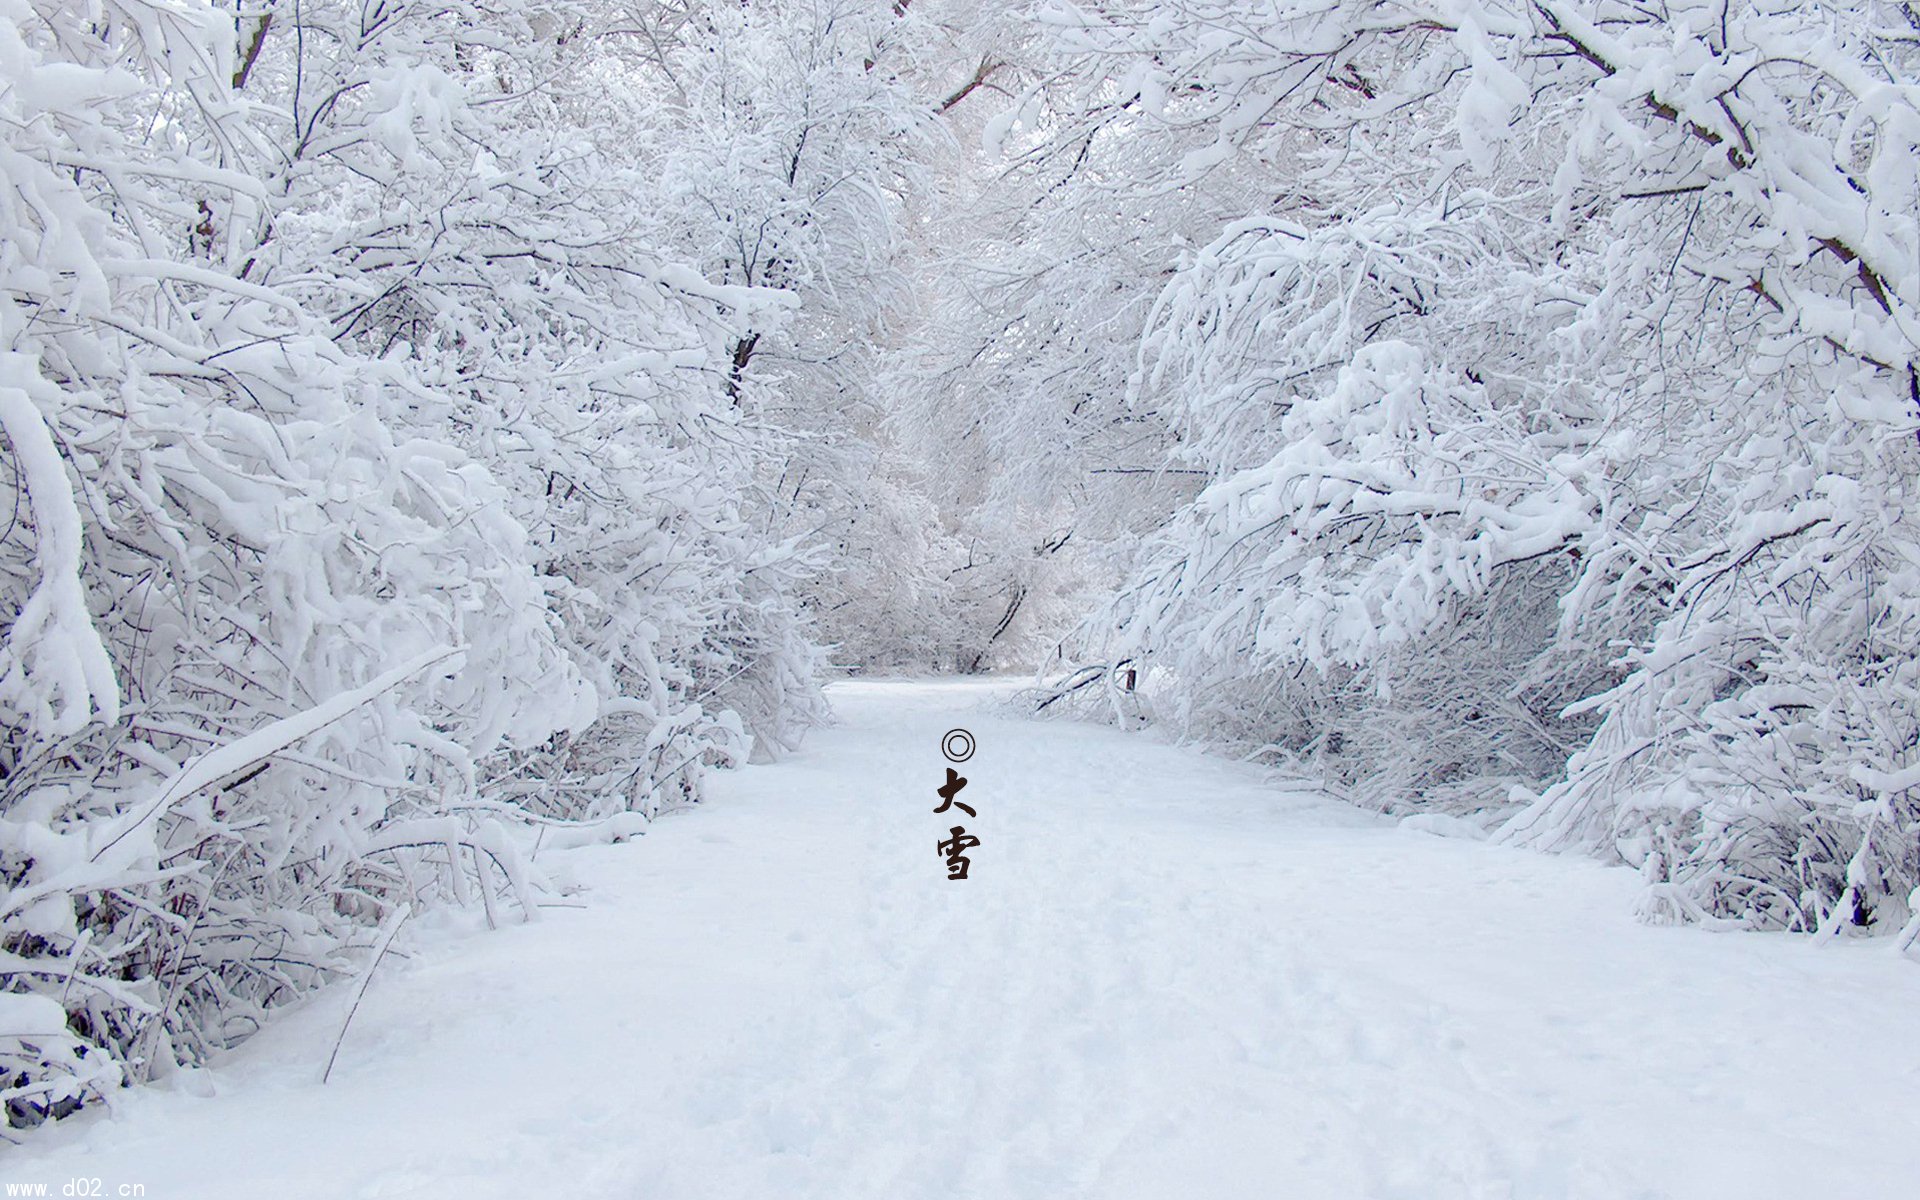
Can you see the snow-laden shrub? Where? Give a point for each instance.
(1758, 761)
(1380, 595)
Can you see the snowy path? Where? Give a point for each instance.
(1164, 980)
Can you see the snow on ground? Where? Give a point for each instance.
(1167, 977)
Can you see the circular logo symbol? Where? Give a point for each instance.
(957, 745)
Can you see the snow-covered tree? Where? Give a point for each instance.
(375, 489)
(1557, 407)
(791, 151)
(1033, 281)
